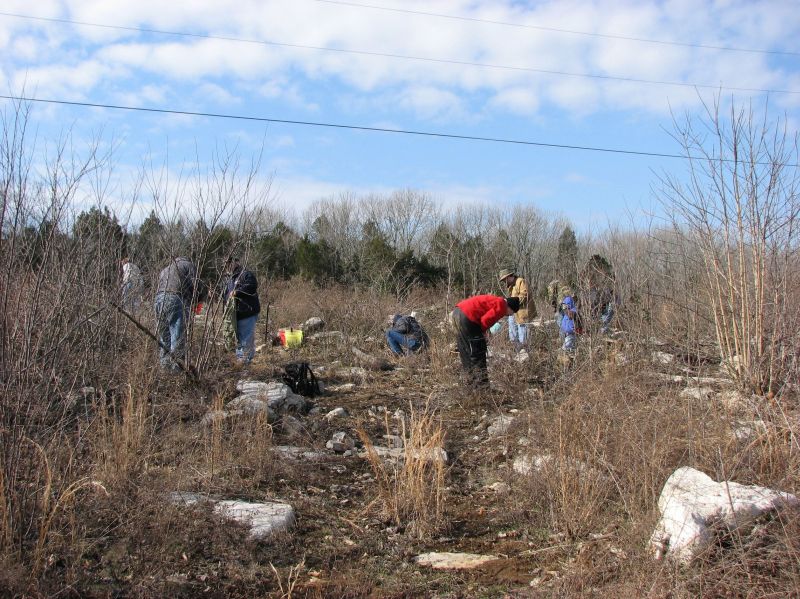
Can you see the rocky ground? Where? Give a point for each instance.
(251, 490)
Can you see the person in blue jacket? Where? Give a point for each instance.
(242, 287)
(406, 335)
(569, 325)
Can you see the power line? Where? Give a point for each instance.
(343, 126)
(559, 30)
(404, 56)
(522, 142)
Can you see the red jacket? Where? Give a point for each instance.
(484, 310)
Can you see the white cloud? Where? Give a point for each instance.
(75, 61)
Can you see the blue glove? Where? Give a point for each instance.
(495, 328)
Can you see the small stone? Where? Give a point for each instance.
(500, 488)
(699, 393)
(453, 561)
(660, 357)
(394, 441)
(312, 325)
(500, 425)
(340, 443)
(247, 404)
(336, 413)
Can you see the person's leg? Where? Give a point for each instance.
(162, 328)
(413, 344)
(512, 329)
(522, 335)
(478, 367)
(396, 341)
(606, 318)
(570, 342)
(246, 335)
(462, 338)
(178, 316)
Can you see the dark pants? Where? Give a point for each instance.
(472, 349)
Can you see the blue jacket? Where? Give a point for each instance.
(568, 324)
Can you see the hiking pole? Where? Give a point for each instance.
(188, 369)
(266, 325)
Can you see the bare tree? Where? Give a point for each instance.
(738, 208)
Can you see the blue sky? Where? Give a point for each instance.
(111, 65)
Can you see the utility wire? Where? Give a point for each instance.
(521, 142)
(558, 30)
(404, 56)
(217, 115)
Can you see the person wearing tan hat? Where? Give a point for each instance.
(518, 288)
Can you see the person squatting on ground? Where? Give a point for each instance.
(132, 285)
(174, 295)
(406, 335)
(242, 288)
(472, 318)
(517, 323)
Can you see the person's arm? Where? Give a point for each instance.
(493, 314)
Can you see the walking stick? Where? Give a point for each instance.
(188, 369)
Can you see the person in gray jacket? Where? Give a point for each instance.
(174, 296)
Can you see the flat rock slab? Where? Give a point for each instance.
(299, 453)
(454, 561)
(436, 454)
(264, 519)
(691, 503)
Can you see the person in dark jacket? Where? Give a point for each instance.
(472, 318)
(406, 335)
(242, 288)
(175, 293)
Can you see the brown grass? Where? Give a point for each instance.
(411, 490)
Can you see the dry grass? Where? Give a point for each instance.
(411, 490)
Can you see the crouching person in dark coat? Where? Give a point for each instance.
(406, 335)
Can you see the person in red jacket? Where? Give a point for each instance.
(472, 318)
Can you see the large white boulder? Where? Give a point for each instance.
(691, 502)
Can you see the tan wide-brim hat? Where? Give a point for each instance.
(506, 272)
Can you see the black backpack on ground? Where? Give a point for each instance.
(301, 379)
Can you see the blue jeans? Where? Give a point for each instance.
(517, 332)
(606, 318)
(570, 341)
(246, 338)
(398, 341)
(171, 318)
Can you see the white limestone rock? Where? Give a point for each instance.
(340, 443)
(746, 430)
(293, 452)
(500, 425)
(453, 561)
(691, 502)
(312, 325)
(699, 393)
(335, 413)
(264, 519)
(733, 400)
(660, 357)
(249, 405)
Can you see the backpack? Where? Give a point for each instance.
(301, 379)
